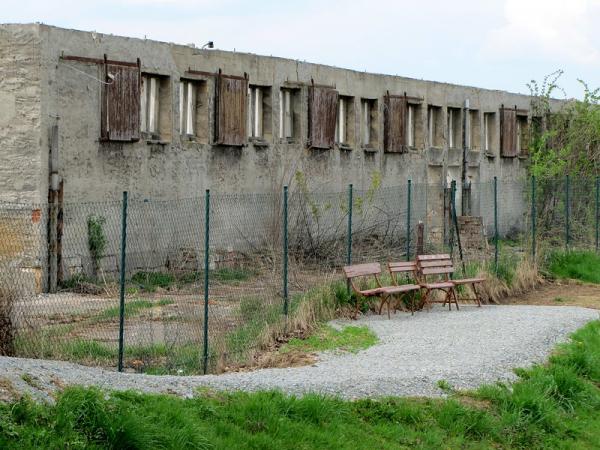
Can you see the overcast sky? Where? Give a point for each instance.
(499, 44)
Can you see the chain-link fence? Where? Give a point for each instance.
(196, 285)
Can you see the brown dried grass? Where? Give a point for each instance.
(495, 290)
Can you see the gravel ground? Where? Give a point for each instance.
(466, 348)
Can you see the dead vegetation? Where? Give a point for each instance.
(495, 290)
(9, 294)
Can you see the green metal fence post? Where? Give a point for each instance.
(567, 212)
(533, 218)
(206, 276)
(349, 232)
(285, 250)
(408, 220)
(122, 282)
(455, 224)
(597, 212)
(496, 224)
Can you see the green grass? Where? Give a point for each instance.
(151, 281)
(350, 339)
(556, 405)
(578, 265)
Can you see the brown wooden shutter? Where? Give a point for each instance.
(322, 116)
(230, 114)
(121, 102)
(508, 133)
(394, 123)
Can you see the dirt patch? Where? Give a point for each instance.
(560, 293)
(272, 357)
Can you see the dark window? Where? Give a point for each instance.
(121, 102)
(394, 123)
(523, 135)
(230, 115)
(508, 133)
(322, 116)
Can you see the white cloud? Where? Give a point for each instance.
(557, 29)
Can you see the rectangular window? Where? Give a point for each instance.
(454, 128)
(410, 129)
(187, 107)
(150, 104)
(508, 133)
(395, 122)
(193, 110)
(155, 106)
(434, 126)
(474, 130)
(230, 110)
(368, 122)
(342, 132)
(322, 115)
(259, 112)
(489, 131)
(414, 127)
(522, 135)
(289, 113)
(120, 120)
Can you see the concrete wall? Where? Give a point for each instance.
(38, 89)
(182, 169)
(21, 122)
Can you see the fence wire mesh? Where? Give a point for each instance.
(255, 281)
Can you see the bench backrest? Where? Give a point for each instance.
(362, 270)
(434, 265)
(400, 267)
(403, 266)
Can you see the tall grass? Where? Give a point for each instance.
(556, 405)
(515, 274)
(578, 265)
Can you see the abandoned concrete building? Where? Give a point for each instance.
(95, 115)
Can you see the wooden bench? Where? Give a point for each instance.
(408, 268)
(441, 266)
(372, 271)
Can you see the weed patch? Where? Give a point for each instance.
(350, 339)
(582, 266)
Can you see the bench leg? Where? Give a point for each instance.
(477, 297)
(384, 300)
(453, 290)
(425, 300)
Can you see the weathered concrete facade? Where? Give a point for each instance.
(39, 89)
(42, 86)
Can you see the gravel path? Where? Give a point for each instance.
(466, 348)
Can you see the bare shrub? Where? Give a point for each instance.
(9, 294)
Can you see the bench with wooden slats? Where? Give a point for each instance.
(438, 267)
(371, 271)
(441, 265)
(408, 268)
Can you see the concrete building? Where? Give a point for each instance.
(105, 114)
